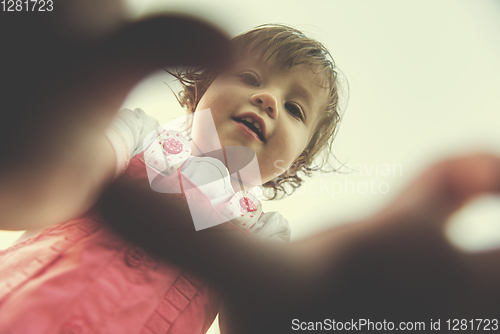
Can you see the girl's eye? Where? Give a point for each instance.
(295, 110)
(249, 78)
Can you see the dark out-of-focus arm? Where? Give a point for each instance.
(162, 224)
(396, 264)
(33, 198)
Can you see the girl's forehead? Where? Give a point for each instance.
(270, 63)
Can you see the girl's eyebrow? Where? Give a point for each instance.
(248, 63)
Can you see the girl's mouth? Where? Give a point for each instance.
(250, 127)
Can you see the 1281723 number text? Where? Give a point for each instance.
(27, 5)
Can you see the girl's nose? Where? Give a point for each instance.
(267, 102)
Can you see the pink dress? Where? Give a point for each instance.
(79, 277)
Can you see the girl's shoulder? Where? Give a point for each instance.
(272, 226)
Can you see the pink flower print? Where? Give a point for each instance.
(247, 203)
(172, 146)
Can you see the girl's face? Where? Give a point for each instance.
(273, 112)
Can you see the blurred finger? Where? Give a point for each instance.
(447, 186)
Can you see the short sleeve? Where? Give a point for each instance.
(126, 134)
(272, 226)
(149, 124)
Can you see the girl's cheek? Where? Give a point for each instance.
(297, 142)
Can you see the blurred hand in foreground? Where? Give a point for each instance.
(64, 74)
(397, 265)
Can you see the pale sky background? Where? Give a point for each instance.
(424, 83)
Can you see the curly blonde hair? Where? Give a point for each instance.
(287, 47)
